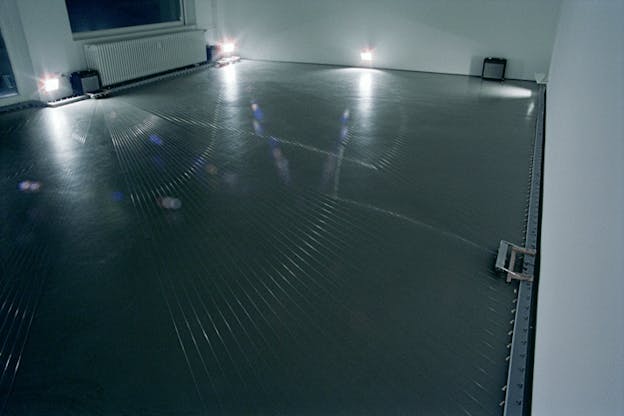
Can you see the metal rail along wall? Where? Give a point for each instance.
(124, 60)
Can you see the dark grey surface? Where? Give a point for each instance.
(318, 264)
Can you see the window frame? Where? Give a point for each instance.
(16, 88)
(132, 30)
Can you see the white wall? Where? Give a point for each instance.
(450, 36)
(50, 41)
(430, 35)
(579, 352)
(205, 12)
(15, 40)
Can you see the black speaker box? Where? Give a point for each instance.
(494, 69)
(83, 82)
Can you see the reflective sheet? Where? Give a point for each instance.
(263, 239)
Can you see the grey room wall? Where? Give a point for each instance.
(579, 352)
(206, 15)
(15, 40)
(50, 41)
(449, 36)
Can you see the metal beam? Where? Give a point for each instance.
(517, 390)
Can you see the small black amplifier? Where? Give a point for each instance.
(83, 82)
(494, 68)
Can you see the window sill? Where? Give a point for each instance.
(132, 31)
(8, 94)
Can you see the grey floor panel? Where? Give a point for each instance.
(263, 239)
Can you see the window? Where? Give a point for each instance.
(7, 81)
(92, 15)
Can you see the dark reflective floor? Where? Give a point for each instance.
(263, 239)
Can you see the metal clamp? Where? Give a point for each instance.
(510, 250)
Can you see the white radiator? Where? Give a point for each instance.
(124, 60)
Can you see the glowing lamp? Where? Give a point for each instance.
(228, 47)
(366, 55)
(51, 84)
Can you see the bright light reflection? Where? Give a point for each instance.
(366, 84)
(365, 101)
(506, 91)
(229, 74)
(516, 92)
(231, 86)
(58, 124)
(60, 134)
